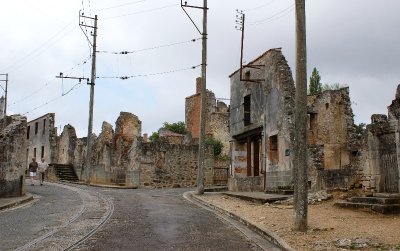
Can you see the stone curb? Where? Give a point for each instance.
(16, 202)
(272, 237)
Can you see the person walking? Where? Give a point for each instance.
(42, 169)
(32, 170)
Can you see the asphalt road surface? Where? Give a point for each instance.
(73, 217)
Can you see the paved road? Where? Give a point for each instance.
(89, 218)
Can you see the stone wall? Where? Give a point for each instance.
(66, 144)
(171, 165)
(13, 145)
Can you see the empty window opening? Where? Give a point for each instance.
(44, 126)
(36, 127)
(273, 150)
(42, 154)
(34, 152)
(28, 131)
(247, 75)
(247, 106)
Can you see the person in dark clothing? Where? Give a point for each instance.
(32, 170)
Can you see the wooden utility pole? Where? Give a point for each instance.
(91, 101)
(300, 145)
(203, 106)
(203, 94)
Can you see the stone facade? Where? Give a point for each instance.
(217, 117)
(332, 140)
(13, 146)
(42, 138)
(381, 152)
(2, 107)
(261, 124)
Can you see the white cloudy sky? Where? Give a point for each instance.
(353, 42)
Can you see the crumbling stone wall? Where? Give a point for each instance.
(165, 165)
(13, 145)
(331, 130)
(66, 144)
(219, 124)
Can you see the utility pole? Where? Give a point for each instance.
(5, 92)
(300, 146)
(203, 108)
(92, 83)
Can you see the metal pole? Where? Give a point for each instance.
(300, 146)
(91, 103)
(203, 108)
(241, 48)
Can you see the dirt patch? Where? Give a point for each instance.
(330, 228)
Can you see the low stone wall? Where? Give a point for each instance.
(245, 184)
(166, 165)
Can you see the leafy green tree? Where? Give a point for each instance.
(154, 136)
(217, 145)
(177, 127)
(360, 130)
(315, 85)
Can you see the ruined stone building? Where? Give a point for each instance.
(381, 151)
(42, 139)
(13, 145)
(262, 124)
(217, 117)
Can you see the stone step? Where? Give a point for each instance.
(387, 195)
(384, 209)
(375, 200)
(65, 172)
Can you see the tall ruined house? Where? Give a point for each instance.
(42, 139)
(262, 125)
(217, 117)
(261, 117)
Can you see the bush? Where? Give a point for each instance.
(216, 144)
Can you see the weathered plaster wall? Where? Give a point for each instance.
(13, 144)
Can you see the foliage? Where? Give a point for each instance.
(360, 129)
(315, 85)
(216, 144)
(177, 127)
(154, 136)
(335, 86)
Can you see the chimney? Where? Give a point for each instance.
(198, 85)
(145, 137)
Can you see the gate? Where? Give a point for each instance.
(221, 176)
(390, 173)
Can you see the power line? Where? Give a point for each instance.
(152, 74)
(40, 49)
(25, 98)
(120, 5)
(274, 17)
(54, 99)
(141, 12)
(259, 7)
(151, 48)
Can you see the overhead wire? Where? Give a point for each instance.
(141, 12)
(118, 6)
(151, 74)
(259, 7)
(151, 48)
(47, 83)
(274, 17)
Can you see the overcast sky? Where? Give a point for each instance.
(351, 42)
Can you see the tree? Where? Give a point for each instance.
(177, 127)
(315, 85)
(154, 136)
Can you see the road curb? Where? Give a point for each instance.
(270, 236)
(16, 202)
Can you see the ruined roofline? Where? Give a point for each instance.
(198, 94)
(327, 91)
(41, 117)
(258, 58)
